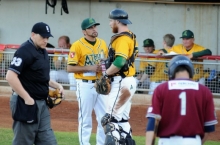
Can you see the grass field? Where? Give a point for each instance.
(70, 138)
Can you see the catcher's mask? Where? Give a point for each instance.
(120, 15)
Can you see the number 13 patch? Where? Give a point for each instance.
(16, 61)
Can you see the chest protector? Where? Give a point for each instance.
(111, 54)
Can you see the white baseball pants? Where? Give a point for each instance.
(88, 99)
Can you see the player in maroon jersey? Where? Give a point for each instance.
(185, 108)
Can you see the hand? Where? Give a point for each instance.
(95, 68)
(160, 52)
(29, 101)
(61, 90)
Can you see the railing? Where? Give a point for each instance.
(207, 2)
(207, 70)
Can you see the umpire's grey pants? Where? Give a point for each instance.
(39, 133)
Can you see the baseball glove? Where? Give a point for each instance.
(54, 98)
(103, 85)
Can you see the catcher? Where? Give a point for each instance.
(54, 98)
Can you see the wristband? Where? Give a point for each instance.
(106, 75)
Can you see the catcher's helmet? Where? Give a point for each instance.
(120, 15)
(180, 60)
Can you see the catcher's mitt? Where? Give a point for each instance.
(103, 85)
(54, 98)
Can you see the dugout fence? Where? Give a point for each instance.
(207, 70)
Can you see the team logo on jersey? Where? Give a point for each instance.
(183, 84)
(72, 54)
(92, 59)
(16, 61)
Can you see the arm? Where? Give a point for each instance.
(205, 138)
(201, 53)
(149, 137)
(79, 69)
(151, 130)
(161, 51)
(207, 130)
(144, 77)
(56, 85)
(116, 65)
(139, 74)
(16, 85)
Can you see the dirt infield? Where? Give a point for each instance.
(64, 118)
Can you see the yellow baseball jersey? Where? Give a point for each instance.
(161, 71)
(124, 46)
(144, 63)
(83, 53)
(198, 68)
(161, 68)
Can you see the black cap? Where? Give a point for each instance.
(42, 29)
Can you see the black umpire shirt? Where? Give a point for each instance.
(32, 66)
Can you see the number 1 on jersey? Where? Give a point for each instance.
(182, 97)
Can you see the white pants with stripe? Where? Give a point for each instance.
(89, 100)
(178, 140)
(117, 104)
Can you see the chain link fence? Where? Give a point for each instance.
(151, 70)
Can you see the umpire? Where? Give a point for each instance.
(28, 75)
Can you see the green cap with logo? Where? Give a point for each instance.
(187, 34)
(148, 43)
(88, 22)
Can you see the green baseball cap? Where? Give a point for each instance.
(88, 22)
(148, 43)
(187, 34)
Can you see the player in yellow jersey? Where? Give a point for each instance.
(146, 68)
(160, 74)
(120, 68)
(83, 60)
(192, 50)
